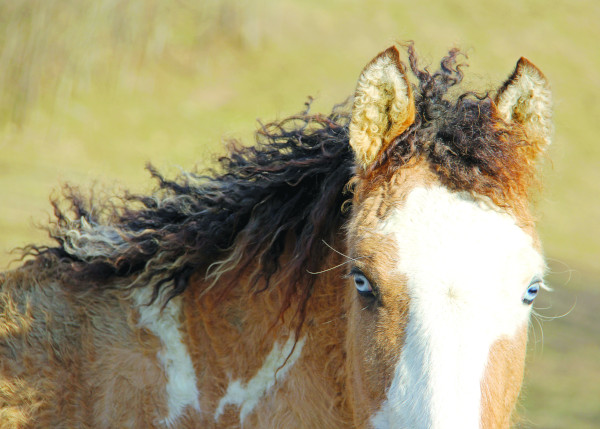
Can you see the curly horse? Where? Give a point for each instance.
(370, 268)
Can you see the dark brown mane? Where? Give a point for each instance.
(289, 188)
(464, 139)
(289, 185)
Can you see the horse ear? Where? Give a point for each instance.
(525, 98)
(383, 106)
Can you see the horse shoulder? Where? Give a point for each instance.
(71, 360)
(40, 354)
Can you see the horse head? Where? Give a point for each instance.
(445, 261)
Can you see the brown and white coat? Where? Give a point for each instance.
(256, 298)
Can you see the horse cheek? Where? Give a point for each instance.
(502, 380)
(374, 345)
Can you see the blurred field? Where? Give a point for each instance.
(91, 91)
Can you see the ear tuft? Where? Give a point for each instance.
(525, 98)
(383, 106)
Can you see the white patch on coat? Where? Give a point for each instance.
(467, 266)
(247, 395)
(181, 387)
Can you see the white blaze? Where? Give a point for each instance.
(467, 266)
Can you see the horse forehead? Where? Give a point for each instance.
(451, 234)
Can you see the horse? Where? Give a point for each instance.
(374, 267)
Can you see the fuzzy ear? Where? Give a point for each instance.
(525, 98)
(383, 106)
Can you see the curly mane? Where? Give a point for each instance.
(290, 184)
(464, 139)
(288, 188)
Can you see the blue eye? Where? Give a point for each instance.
(532, 291)
(362, 284)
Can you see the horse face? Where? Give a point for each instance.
(440, 292)
(441, 281)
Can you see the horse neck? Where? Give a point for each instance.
(235, 331)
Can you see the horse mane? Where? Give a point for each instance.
(288, 188)
(290, 184)
(464, 139)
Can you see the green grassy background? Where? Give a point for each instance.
(91, 91)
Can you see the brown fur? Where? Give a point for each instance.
(68, 361)
(248, 253)
(501, 384)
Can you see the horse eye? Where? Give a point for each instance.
(363, 286)
(532, 291)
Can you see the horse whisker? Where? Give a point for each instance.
(329, 269)
(337, 251)
(336, 266)
(541, 331)
(542, 317)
